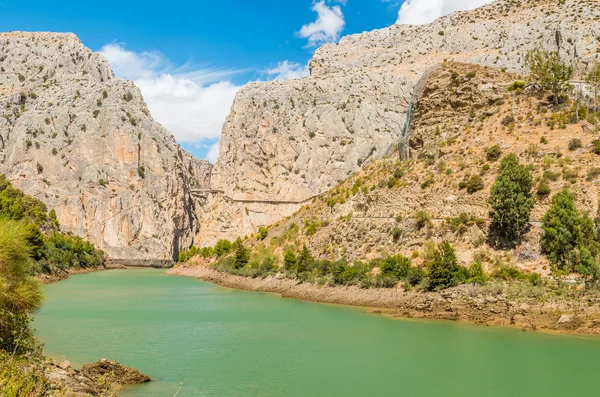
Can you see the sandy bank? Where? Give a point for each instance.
(465, 303)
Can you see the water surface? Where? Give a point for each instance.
(204, 340)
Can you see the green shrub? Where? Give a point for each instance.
(493, 153)
(517, 85)
(511, 199)
(543, 189)
(397, 266)
(575, 144)
(222, 248)
(262, 234)
(474, 184)
(415, 275)
(396, 232)
(508, 273)
(597, 146)
(477, 274)
(289, 261)
(422, 219)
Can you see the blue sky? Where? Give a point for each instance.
(189, 58)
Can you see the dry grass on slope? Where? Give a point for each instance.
(393, 206)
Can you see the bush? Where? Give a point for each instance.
(289, 261)
(507, 273)
(397, 266)
(575, 144)
(543, 189)
(474, 184)
(128, 96)
(422, 219)
(222, 248)
(262, 234)
(396, 232)
(444, 270)
(517, 85)
(597, 146)
(511, 199)
(477, 274)
(493, 153)
(415, 275)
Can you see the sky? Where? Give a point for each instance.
(189, 58)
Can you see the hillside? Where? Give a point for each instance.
(393, 206)
(286, 142)
(85, 144)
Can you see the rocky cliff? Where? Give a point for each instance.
(84, 143)
(285, 142)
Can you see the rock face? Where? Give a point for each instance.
(285, 142)
(84, 143)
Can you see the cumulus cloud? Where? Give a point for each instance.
(287, 70)
(419, 12)
(328, 26)
(191, 103)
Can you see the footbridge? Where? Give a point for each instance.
(204, 193)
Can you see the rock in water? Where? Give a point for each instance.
(117, 373)
(84, 143)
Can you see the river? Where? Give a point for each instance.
(198, 339)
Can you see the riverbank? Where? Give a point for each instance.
(513, 306)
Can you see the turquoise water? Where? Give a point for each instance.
(199, 339)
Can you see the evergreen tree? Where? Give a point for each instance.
(305, 261)
(511, 199)
(444, 270)
(569, 240)
(242, 255)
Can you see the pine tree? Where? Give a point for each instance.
(305, 261)
(242, 256)
(569, 240)
(511, 199)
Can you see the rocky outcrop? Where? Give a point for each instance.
(290, 141)
(84, 143)
(102, 378)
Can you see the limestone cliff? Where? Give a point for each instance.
(285, 142)
(84, 143)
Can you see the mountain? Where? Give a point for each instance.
(85, 144)
(285, 143)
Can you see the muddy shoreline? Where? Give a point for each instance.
(465, 303)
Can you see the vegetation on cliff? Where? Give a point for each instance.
(30, 243)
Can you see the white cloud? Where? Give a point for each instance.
(287, 70)
(191, 103)
(418, 12)
(328, 26)
(213, 153)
